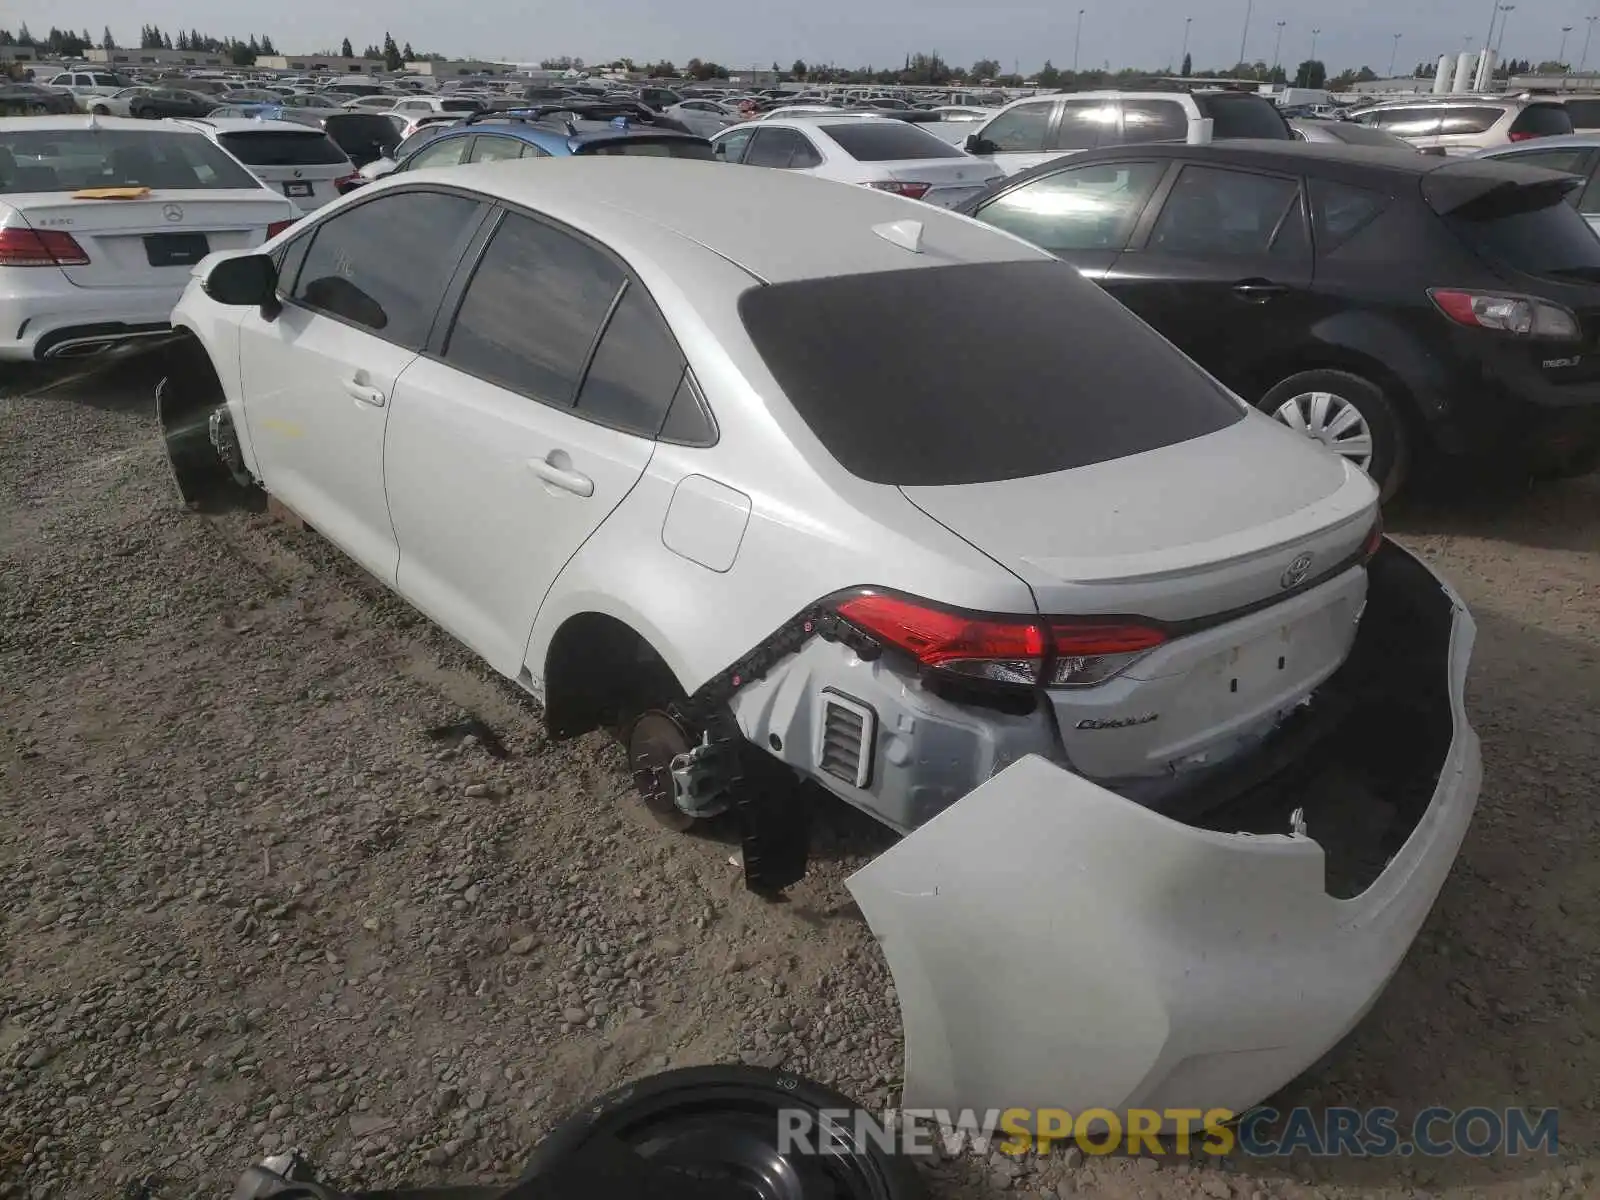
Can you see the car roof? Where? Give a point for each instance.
(1320, 158)
(241, 124)
(637, 202)
(65, 121)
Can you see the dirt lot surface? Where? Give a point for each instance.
(246, 902)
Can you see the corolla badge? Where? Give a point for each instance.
(172, 212)
(1295, 573)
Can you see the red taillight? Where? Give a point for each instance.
(1523, 137)
(348, 183)
(911, 191)
(40, 248)
(274, 228)
(1002, 649)
(1524, 315)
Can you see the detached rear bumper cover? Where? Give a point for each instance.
(1055, 945)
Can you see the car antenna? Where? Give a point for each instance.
(905, 234)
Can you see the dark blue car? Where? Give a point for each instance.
(545, 133)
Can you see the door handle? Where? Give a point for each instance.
(364, 392)
(1258, 290)
(556, 470)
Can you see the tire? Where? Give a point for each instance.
(100, 110)
(722, 1122)
(1326, 395)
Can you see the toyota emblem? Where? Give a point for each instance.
(1295, 573)
(172, 212)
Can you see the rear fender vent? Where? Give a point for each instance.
(846, 729)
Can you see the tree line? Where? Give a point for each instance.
(919, 68)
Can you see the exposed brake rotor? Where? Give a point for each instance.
(654, 740)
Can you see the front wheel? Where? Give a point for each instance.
(100, 110)
(1350, 416)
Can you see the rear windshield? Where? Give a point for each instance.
(67, 160)
(281, 148)
(459, 105)
(1553, 240)
(1543, 120)
(651, 148)
(1244, 117)
(874, 141)
(1584, 114)
(977, 372)
(361, 131)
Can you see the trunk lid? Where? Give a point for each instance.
(1167, 534)
(1258, 587)
(952, 181)
(152, 240)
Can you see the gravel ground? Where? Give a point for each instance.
(247, 903)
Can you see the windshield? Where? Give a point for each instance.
(976, 373)
(874, 141)
(281, 148)
(68, 160)
(652, 148)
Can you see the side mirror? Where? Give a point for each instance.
(976, 143)
(249, 281)
(719, 150)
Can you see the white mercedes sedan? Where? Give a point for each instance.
(821, 482)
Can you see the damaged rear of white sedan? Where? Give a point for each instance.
(897, 504)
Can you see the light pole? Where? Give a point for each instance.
(1393, 51)
(1077, 36)
(1277, 45)
(1561, 54)
(1186, 23)
(1583, 61)
(1311, 58)
(1505, 10)
(1480, 84)
(1245, 36)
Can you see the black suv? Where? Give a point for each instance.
(1378, 300)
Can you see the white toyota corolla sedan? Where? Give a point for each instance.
(819, 478)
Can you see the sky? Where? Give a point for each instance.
(1140, 33)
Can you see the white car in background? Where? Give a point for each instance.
(901, 505)
(84, 85)
(419, 106)
(884, 153)
(299, 162)
(101, 221)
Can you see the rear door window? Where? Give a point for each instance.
(1154, 121)
(1084, 123)
(1212, 212)
(1542, 120)
(280, 148)
(1339, 211)
(786, 149)
(1469, 119)
(731, 148)
(876, 141)
(1021, 129)
(636, 369)
(1410, 122)
(447, 153)
(1574, 160)
(489, 148)
(1091, 207)
(531, 312)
